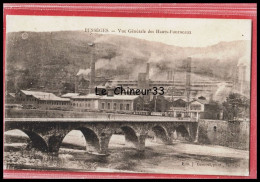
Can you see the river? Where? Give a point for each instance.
(177, 158)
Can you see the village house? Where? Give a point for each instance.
(197, 108)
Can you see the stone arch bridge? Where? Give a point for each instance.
(47, 134)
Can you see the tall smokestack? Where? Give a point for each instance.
(188, 72)
(92, 68)
(147, 70)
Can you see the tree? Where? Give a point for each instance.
(235, 106)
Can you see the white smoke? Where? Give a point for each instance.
(83, 72)
(221, 88)
(221, 92)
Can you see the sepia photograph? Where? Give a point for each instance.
(127, 95)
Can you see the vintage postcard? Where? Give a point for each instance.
(127, 95)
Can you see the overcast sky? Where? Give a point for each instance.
(204, 32)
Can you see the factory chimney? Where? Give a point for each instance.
(188, 72)
(147, 70)
(92, 68)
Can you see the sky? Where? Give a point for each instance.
(204, 32)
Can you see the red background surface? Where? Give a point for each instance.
(173, 10)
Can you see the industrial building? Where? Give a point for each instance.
(120, 103)
(83, 103)
(41, 100)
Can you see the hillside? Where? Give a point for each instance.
(52, 59)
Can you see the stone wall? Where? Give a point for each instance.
(218, 132)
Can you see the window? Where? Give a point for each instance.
(127, 106)
(103, 105)
(108, 105)
(121, 106)
(215, 128)
(114, 106)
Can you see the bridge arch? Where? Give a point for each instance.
(37, 140)
(182, 133)
(131, 138)
(90, 137)
(161, 134)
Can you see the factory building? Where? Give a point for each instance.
(83, 103)
(41, 100)
(86, 81)
(120, 103)
(70, 95)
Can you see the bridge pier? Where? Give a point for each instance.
(103, 143)
(193, 132)
(54, 143)
(141, 142)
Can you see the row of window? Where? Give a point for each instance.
(81, 104)
(54, 103)
(45, 102)
(88, 105)
(121, 106)
(21, 99)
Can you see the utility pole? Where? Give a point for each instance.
(171, 90)
(92, 68)
(155, 103)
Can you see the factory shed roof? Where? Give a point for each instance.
(120, 97)
(89, 96)
(69, 95)
(12, 94)
(43, 95)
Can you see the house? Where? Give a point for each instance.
(197, 108)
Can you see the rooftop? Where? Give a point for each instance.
(69, 95)
(120, 97)
(202, 101)
(44, 95)
(89, 96)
